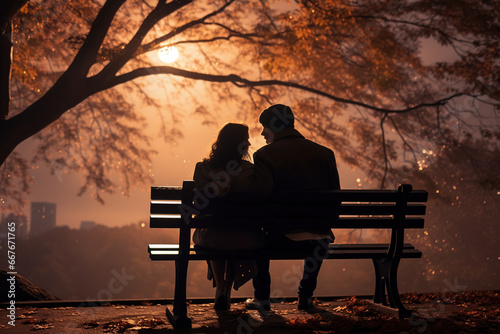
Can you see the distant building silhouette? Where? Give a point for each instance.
(43, 217)
(87, 225)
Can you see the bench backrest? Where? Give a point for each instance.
(175, 207)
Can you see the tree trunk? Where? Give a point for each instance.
(8, 9)
(8, 135)
(5, 70)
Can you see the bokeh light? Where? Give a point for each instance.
(168, 54)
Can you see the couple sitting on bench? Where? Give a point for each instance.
(287, 162)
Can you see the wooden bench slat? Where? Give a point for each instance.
(166, 193)
(332, 246)
(363, 253)
(312, 210)
(171, 207)
(155, 221)
(354, 222)
(366, 246)
(341, 222)
(347, 195)
(412, 254)
(362, 195)
(290, 198)
(379, 209)
(160, 221)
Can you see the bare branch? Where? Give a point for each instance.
(213, 39)
(160, 11)
(241, 82)
(87, 54)
(440, 32)
(151, 45)
(403, 139)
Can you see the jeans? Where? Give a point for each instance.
(316, 250)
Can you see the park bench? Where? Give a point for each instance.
(394, 210)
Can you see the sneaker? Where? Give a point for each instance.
(255, 304)
(305, 303)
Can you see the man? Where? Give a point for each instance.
(291, 162)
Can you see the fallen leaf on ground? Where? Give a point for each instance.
(300, 322)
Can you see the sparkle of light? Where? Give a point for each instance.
(168, 54)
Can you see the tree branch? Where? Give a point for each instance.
(241, 82)
(87, 54)
(213, 39)
(159, 12)
(199, 41)
(447, 36)
(403, 139)
(191, 24)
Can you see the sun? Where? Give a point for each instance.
(168, 54)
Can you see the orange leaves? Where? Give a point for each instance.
(121, 326)
(300, 322)
(38, 324)
(358, 307)
(24, 9)
(475, 315)
(464, 298)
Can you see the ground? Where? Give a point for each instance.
(465, 312)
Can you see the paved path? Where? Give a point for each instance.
(433, 314)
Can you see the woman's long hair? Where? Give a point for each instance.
(231, 145)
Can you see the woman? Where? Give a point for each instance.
(227, 170)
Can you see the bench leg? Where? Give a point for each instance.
(393, 292)
(386, 277)
(381, 272)
(179, 318)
